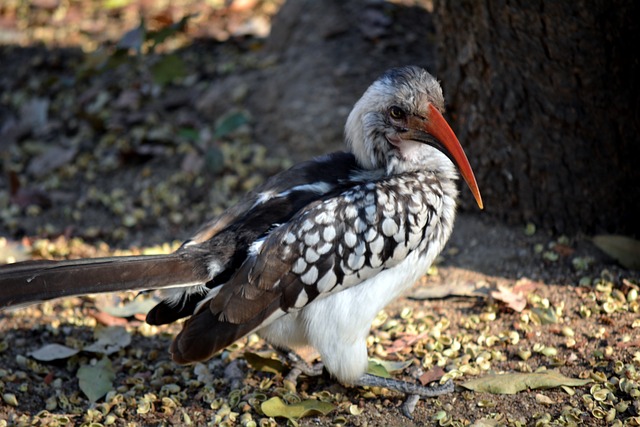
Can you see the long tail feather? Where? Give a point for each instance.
(35, 281)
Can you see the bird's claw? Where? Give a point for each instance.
(299, 366)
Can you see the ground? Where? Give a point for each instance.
(110, 152)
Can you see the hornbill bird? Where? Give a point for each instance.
(313, 254)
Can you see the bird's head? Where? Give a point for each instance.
(398, 126)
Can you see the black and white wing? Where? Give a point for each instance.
(334, 243)
(223, 244)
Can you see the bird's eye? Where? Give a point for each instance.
(396, 113)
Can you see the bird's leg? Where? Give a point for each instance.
(298, 365)
(414, 391)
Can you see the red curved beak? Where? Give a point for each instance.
(437, 126)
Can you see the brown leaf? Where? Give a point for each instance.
(563, 250)
(433, 374)
(405, 341)
(524, 286)
(517, 301)
(107, 319)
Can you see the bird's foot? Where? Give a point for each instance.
(299, 366)
(414, 391)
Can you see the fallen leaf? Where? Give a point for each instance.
(192, 162)
(158, 37)
(563, 250)
(49, 352)
(168, 68)
(48, 378)
(109, 340)
(133, 39)
(276, 407)
(128, 99)
(524, 286)
(35, 113)
(517, 301)
(405, 341)
(383, 368)
(545, 316)
(214, 160)
(52, 159)
(229, 123)
(623, 249)
(458, 288)
(96, 380)
(544, 400)
(108, 320)
(433, 374)
(514, 383)
(263, 363)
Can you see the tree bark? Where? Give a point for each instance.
(545, 97)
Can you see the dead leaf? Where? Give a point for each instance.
(263, 363)
(514, 383)
(458, 288)
(50, 160)
(167, 69)
(35, 113)
(229, 123)
(433, 374)
(623, 249)
(563, 250)
(96, 380)
(192, 162)
(545, 316)
(515, 300)
(51, 352)
(133, 39)
(525, 286)
(544, 400)
(405, 341)
(128, 99)
(107, 319)
(276, 407)
(384, 368)
(110, 340)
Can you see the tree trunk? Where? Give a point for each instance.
(545, 97)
